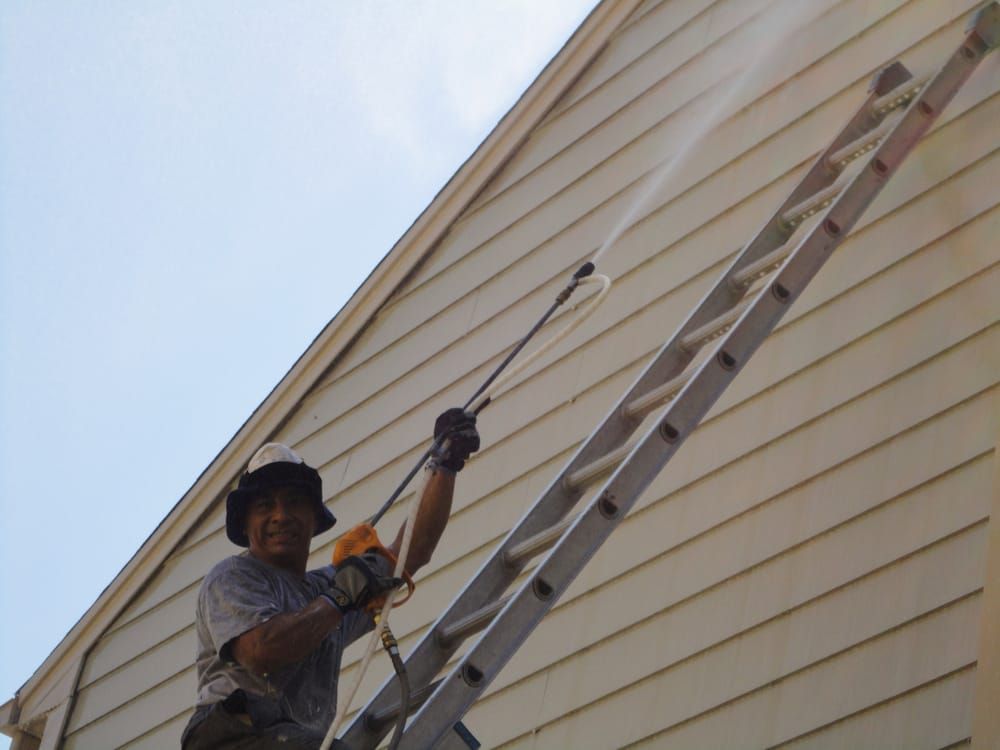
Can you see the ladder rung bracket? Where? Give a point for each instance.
(754, 272)
(472, 623)
(898, 96)
(840, 159)
(813, 204)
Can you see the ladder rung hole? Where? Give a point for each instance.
(726, 360)
(925, 108)
(880, 166)
(832, 228)
(669, 432)
(780, 292)
(542, 589)
(608, 508)
(472, 676)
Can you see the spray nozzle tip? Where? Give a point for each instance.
(585, 270)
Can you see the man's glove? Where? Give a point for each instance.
(357, 582)
(456, 429)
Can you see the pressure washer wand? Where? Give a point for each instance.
(582, 272)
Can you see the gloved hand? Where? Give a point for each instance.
(458, 428)
(357, 581)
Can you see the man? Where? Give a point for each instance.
(270, 634)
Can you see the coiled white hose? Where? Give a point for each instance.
(383, 617)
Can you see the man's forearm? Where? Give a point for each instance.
(435, 508)
(286, 638)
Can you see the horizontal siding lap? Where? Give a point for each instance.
(653, 76)
(137, 677)
(630, 44)
(133, 638)
(621, 134)
(167, 735)
(787, 628)
(942, 643)
(931, 717)
(712, 546)
(135, 718)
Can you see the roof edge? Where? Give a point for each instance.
(415, 244)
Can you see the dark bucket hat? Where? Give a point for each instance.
(274, 465)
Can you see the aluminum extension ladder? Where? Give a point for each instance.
(734, 317)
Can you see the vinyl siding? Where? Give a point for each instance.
(808, 571)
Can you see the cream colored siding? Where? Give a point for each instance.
(808, 571)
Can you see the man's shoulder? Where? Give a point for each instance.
(235, 566)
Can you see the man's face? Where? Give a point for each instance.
(280, 523)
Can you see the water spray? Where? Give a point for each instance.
(777, 23)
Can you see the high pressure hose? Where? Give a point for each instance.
(480, 399)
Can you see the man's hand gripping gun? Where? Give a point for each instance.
(363, 539)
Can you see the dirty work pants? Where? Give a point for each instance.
(216, 728)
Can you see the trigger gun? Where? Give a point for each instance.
(361, 540)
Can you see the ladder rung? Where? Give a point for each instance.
(660, 395)
(841, 158)
(761, 268)
(813, 204)
(714, 328)
(378, 719)
(898, 96)
(537, 543)
(471, 623)
(598, 468)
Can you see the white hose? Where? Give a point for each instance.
(592, 305)
(414, 509)
(383, 617)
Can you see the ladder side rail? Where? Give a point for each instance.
(772, 235)
(474, 672)
(882, 164)
(497, 573)
(470, 677)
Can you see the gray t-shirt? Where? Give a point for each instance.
(239, 594)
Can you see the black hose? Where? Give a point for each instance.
(583, 271)
(392, 648)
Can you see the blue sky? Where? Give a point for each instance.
(189, 191)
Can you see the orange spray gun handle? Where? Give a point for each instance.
(361, 540)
